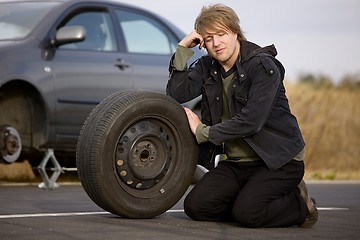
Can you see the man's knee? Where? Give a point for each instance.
(247, 217)
(191, 208)
(201, 209)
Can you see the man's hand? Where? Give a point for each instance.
(193, 119)
(192, 39)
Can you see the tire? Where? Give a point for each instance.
(136, 154)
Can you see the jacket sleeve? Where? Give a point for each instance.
(184, 84)
(265, 78)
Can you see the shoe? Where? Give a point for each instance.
(313, 215)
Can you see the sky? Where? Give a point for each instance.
(319, 37)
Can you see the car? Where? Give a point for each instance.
(61, 58)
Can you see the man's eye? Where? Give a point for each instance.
(207, 39)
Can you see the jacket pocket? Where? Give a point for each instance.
(240, 98)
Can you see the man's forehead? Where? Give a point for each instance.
(215, 30)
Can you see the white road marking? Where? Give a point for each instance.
(332, 209)
(175, 210)
(34, 215)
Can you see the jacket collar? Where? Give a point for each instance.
(250, 49)
(247, 51)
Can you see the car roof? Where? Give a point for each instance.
(66, 3)
(78, 1)
(70, 2)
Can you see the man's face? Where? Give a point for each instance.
(223, 45)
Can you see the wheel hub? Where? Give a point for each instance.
(142, 161)
(143, 154)
(10, 143)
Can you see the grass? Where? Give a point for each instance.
(329, 118)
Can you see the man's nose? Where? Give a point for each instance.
(216, 40)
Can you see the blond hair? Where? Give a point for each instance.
(218, 16)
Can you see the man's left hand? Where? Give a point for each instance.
(193, 119)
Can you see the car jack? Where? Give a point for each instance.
(56, 169)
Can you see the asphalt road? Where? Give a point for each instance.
(28, 212)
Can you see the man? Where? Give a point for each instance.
(245, 112)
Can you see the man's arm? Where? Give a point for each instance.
(184, 84)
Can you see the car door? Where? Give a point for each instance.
(150, 45)
(87, 72)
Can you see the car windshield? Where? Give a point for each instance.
(18, 19)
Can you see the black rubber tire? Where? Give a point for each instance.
(136, 155)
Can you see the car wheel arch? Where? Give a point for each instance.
(30, 111)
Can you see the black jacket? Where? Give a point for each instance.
(258, 105)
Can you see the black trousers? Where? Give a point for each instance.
(250, 194)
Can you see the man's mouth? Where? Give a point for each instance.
(219, 51)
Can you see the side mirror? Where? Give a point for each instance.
(70, 34)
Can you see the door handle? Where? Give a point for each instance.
(120, 63)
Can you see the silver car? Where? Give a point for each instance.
(61, 58)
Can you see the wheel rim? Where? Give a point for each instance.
(143, 155)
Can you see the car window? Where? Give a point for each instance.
(99, 32)
(144, 34)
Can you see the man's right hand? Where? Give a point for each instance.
(192, 39)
